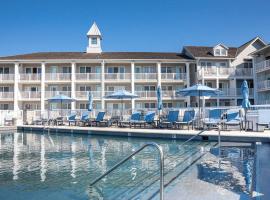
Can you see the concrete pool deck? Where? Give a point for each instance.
(234, 135)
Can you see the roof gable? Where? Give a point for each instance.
(94, 30)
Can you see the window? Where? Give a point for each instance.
(223, 64)
(28, 70)
(217, 52)
(94, 40)
(66, 70)
(4, 106)
(223, 52)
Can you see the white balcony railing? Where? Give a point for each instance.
(244, 72)
(30, 77)
(6, 95)
(6, 77)
(84, 94)
(49, 94)
(146, 94)
(88, 76)
(264, 85)
(173, 76)
(146, 76)
(225, 71)
(117, 76)
(262, 66)
(58, 76)
(232, 92)
(30, 95)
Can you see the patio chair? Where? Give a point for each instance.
(233, 119)
(263, 119)
(99, 120)
(171, 119)
(214, 118)
(136, 116)
(72, 119)
(149, 119)
(84, 118)
(188, 119)
(9, 120)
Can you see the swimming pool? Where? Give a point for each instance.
(61, 166)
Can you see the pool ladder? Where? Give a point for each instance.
(161, 156)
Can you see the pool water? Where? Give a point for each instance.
(61, 166)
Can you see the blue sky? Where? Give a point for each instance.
(129, 25)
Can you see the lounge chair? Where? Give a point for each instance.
(149, 119)
(263, 119)
(188, 119)
(72, 119)
(136, 116)
(233, 119)
(84, 118)
(171, 119)
(9, 120)
(214, 118)
(99, 120)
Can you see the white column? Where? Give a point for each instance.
(42, 94)
(102, 84)
(217, 86)
(73, 85)
(255, 81)
(159, 73)
(133, 84)
(188, 81)
(16, 87)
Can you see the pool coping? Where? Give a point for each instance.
(233, 136)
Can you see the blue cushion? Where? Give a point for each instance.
(135, 116)
(149, 117)
(72, 117)
(85, 116)
(215, 113)
(233, 116)
(100, 116)
(173, 116)
(188, 115)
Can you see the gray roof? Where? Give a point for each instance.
(206, 51)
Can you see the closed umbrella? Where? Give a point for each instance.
(61, 99)
(90, 101)
(199, 91)
(245, 102)
(159, 100)
(122, 94)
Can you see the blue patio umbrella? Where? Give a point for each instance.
(159, 100)
(90, 101)
(60, 98)
(199, 91)
(121, 94)
(245, 94)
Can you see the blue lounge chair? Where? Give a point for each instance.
(149, 119)
(188, 119)
(213, 119)
(99, 120)
(233, 119)
(171, 119)
(72, 119)
(85, 118)
(136, 116)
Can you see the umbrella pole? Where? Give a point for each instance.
(122, 108)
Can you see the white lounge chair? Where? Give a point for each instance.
(263, 119)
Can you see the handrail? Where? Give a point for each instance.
(159, 148)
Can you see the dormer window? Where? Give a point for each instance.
(94, 40)
(220, 50)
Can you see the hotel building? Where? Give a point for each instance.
(28, 80)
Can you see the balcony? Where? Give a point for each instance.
(146, 76)
(88, 76)
(6, 77)
(173, 76)
(30, 95)
(49, 94)
(263, 85)
(117, 76)
(58, 77)
(243, 72)
(84, 94)
(225, 71)
(146, 94)
(234, 92)
(263, 66)
(6, 95)
(30, 77)
(216, 72)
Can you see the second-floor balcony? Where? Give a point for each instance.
(49, 94)
(6, 77)
(30, 95)
(243, 72)
(146, 76)
(6, 95)
(146, 94)
(173, 76)
(234, 92)
(88, 76)
(84, 94)
(58, 77)
(216, 72)
(30, 77)
(117, 76)
(263, 85)
(263, 66)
